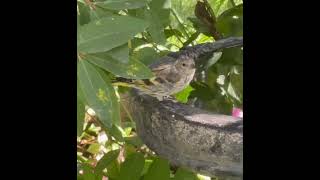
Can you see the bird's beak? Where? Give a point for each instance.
(193, 66)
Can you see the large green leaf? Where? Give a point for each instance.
(183, 174)
(162, 9)
(146, 55)
(132, 167)
(159, 170)
(106, 160)
(156, 28)
(120, 53)
(99, 13)
(99, 94)
(108, 32)
(116, 105)
(133, 69)
(122, 4)
(159, 17)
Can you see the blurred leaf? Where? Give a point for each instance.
(133, 69)
(202, 91)
(129, 149)
(183, 174)
(183, 95)
(230, 22)
(134, 140)
(88, 173)
(236, 79)
(146, 55)
(116, 133)
(200, 26)
(98, 93)
(159, 170)
(232, 93)
(231, 56)
(84, 11)
(94, 148)
(219, 6)
(214, 59)
(113, 170)
(98, 36)
(120, 53)
(122, 4)
(106, 160)
(132, 167)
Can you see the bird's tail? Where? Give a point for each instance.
(142, 84)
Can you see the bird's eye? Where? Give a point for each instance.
(183, 64)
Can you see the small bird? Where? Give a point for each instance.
(171, 75)
(174, 72)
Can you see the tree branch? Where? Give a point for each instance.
(207, 143)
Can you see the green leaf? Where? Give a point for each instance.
(98, 93)
(183, 95)
(132, 167)
(109, 32)
(120, 53)
(156, 28)
(106, 160)
(113, 170)
(94, 148)
(88, 173)
(159, 17)
(99, 13)
(183, 174)
(230, 22)
(159, 170)
(116, 133)
(219, 6)
(146, 55)
(114, 100)
(122, 4)
(134, 140)
(133, 69)
(162, 9)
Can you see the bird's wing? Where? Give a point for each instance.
(164, 63)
